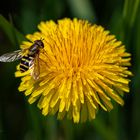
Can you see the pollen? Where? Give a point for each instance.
(83, 68)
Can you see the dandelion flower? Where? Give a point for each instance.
(82, 69)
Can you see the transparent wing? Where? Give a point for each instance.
(35, 67)
(12, 56)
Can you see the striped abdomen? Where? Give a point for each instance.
(26, 62)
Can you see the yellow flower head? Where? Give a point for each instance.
(82, 68)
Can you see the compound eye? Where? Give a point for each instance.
(42, 44)
(39, 43)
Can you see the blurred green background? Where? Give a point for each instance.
(21, 121)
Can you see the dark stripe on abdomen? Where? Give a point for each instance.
(28, 57)
(24, 63)
(23, 68)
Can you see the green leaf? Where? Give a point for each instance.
(82, 9)
(14, 36)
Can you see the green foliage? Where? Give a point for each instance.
(123, 19)
(14, 36)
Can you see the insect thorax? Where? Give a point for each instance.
(34, 49)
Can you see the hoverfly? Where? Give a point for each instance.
(28, 61)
